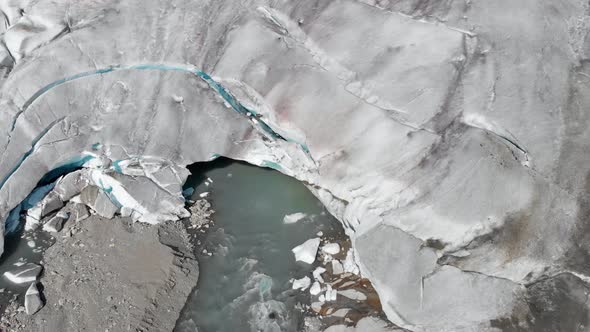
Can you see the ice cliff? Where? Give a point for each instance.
(451, 138)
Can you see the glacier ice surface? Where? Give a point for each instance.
(449, 138)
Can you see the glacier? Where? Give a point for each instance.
(450, 138)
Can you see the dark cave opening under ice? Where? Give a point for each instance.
(245, 260)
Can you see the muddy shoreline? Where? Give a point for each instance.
(112, 275)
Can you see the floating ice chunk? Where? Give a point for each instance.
(31, 243)
(302, 283)
(307, 251)
(337, 267)
(177, 99)
(24, 274)
(315, 289)
(353, 294)
(331, 248)
(33, 302)
(322, 298)
(204, 194)
(317, 274)
(293, 218)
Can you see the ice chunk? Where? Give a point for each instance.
(302, 283)
(315, 288)
(317, 273)
(317, 306)
(331, 294)
(340, 312)
(104, 206)
(33, 302)
(353, 294)
(307, 251)
(35, 212)
(337, 267)
(50, 203)
(56, 223)
(71, 185)
(294, 217)
(24, 274)
(331, 248)
(31, 223)
(80, 212)
(349, 265)
(126, 211)
(98, 201)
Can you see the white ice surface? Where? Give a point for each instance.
(423, 128)
(307, 251)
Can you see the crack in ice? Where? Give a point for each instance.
(221, 90)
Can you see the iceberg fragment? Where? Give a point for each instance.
(56, 223)
(331, 248)
(302, 283)
(33, 301)
(24, 274)
(307, 251)
(294, 217)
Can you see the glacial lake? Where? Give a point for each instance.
(245, 284)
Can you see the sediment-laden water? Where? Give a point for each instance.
(245, 284)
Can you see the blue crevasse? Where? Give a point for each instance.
(46, 184)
